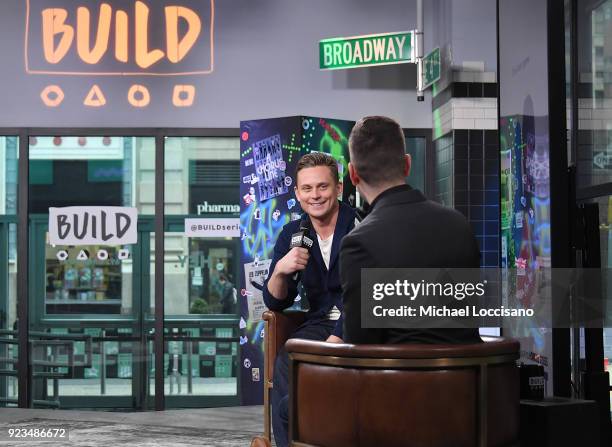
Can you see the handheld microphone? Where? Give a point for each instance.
(301, 239)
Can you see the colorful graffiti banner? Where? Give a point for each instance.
(525, 221)
(269, 152)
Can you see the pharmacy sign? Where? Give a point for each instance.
(364, 51)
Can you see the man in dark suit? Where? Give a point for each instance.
(402, 230)
(327, 221)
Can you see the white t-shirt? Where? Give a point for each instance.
(326, 245)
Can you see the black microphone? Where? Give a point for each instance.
(301, 239)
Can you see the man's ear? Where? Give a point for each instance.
(407, 164)
(353, 174)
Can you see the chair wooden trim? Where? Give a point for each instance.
(278, 326)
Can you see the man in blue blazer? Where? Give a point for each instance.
(326, 221)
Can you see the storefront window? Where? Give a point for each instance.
(202, 182)
(88, 171)
(594, 157)
(605, 243)
(593, 72)
(88, 303)
(202, 178)
(9, 147)
(415, 146)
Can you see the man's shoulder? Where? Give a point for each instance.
(423, 209)
(446, 214)
(384, 221)
(288, 229)
(346, 210)
(362, 232)
(292, 226)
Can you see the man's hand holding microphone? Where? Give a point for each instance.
(292, 264)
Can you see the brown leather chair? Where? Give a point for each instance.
(277, 328)
(405, 395)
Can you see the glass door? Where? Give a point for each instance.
(89, 305)
(588, 74)
(201, 339)
(201, 318)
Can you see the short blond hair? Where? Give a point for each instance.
(315, 159)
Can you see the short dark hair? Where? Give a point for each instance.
(377, 149)
(315, 159)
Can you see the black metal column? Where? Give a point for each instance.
(23, 366)
(159, 273)
(559, 184)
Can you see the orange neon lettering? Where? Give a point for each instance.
(93, 56)
(121, 36)
(144, 57)
(52, 96)
(53, 23)
(183, 95)
(176, 49)
(95, 97)
(144, 94)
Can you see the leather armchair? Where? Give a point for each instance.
(277, 328)
(407, 395)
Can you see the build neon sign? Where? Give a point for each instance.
(119, 38)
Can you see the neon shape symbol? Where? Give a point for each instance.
(183, 95)
(143, 92)
(95, 97)
(52, 95)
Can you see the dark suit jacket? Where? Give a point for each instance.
(322, 286)
(404, 230)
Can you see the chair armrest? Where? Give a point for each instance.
(279, 325)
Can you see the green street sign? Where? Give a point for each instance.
(364, 51)
(431, 68)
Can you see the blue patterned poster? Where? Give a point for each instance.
(270, 167)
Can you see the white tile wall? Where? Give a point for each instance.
(463, 123)
(473, 66)
(446, 120)
(474, 76)
(469, 113)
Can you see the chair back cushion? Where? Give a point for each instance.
(352, 406)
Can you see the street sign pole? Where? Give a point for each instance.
(383, 49)
(418, 37)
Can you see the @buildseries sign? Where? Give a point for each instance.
(212, 227)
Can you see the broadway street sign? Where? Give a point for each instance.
(364, 51)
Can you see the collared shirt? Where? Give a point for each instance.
(388, 192)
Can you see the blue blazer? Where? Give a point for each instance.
(321, 286)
